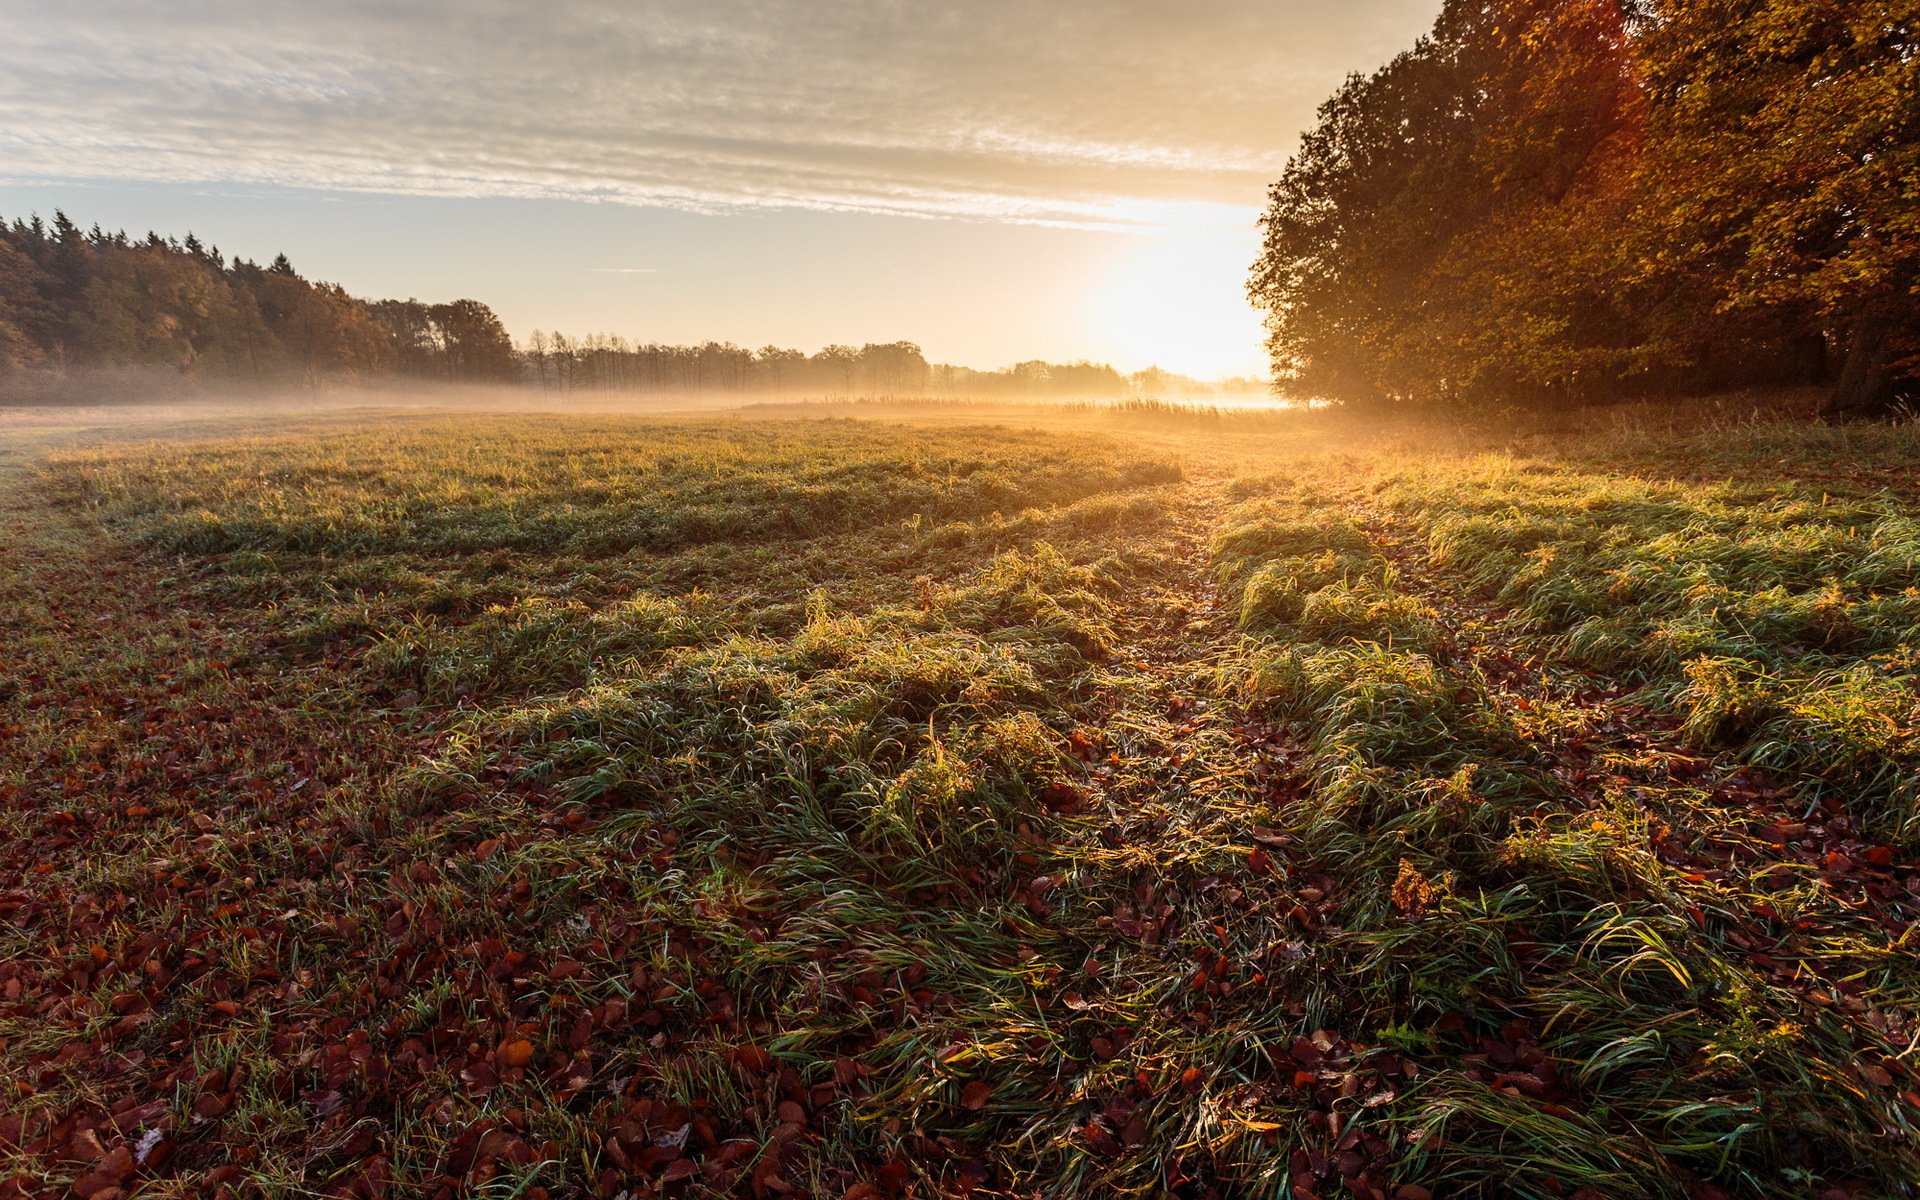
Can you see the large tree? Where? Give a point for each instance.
(1345, 235)
(1550, 199)
(1434, 236)
(1786, 167)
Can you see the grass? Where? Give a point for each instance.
(1098, 803)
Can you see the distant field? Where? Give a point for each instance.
(1144, 802)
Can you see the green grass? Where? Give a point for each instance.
(1101, 803)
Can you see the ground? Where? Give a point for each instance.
(946, 801)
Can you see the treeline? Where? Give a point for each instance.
(73, 300)
(1555, 201)
(608, 363)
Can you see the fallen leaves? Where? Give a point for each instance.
(516, 1053)
(975, 1095)
(496, 975)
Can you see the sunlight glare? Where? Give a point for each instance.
(1174, 297)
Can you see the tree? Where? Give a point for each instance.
(20, 302)
(894, 368)
(474, 342)
(1553, 200)
(1359, 212)
(1787, 140)
(416, 340)
(30, 323)
(840, 363)
(777, 365)
(1443, 232)
(537, 356)
(151, 305)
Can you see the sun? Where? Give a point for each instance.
(1174, 297)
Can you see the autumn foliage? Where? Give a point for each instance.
(73, 300)
(1552, 201)
(159, 310)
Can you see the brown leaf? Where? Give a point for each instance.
(975, 1095)
(1064, 799)
(752, 1058)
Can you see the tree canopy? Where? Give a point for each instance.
(74, 299)
(1553, 200)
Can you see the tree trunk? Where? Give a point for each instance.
(1864, 382)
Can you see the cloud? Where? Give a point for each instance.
(1113, 115)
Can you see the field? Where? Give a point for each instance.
(1007, 803)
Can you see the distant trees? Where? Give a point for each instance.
(1551, 200)
(894, 369)
(600, 362)
(461, 342)
(312, 331)
(70, 299)
(73, 300)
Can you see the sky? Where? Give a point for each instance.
(994, 180)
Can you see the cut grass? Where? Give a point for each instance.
(576, 806)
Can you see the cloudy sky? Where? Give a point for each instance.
(995, 180)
